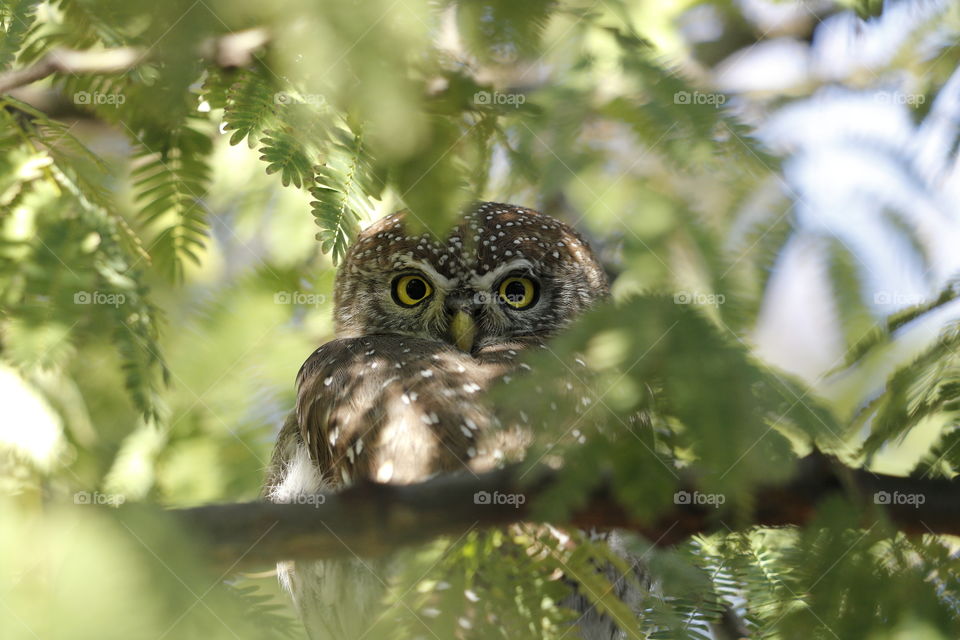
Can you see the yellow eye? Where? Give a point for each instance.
(410, 290)
(519, 293)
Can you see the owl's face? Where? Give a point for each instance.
(504, 272)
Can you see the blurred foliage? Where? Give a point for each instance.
(159, 290)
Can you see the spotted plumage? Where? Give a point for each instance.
(490, 242)
(425, 326)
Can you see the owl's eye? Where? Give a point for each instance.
(518, 292)
(410, 290)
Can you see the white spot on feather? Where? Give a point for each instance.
(385, 472)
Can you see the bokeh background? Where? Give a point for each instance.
(788, 167)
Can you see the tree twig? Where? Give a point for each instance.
(374, 519)
(75, 62)
(231, 50)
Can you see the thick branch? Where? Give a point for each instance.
(371, 519)
(232, 50)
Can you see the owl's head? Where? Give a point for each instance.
(504, 272)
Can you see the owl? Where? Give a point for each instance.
(424, 328)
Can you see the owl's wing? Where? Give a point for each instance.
(391, 409)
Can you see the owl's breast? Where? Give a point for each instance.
(395, 409)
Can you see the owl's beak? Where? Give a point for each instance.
(463, 330)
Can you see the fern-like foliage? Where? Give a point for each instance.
(494, 584)
(261, 613)
(310, 148)
(502, 30)
(16, 20)
(78, 183)
(250, 105)
(926, 386)
(664, 406)
(343, 188)
(170, 184)
(284, 153)
(929, 384)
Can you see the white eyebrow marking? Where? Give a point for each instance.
(486, 280)
(437, 279)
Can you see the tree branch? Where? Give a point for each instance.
(374, 519)
(231, 50)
